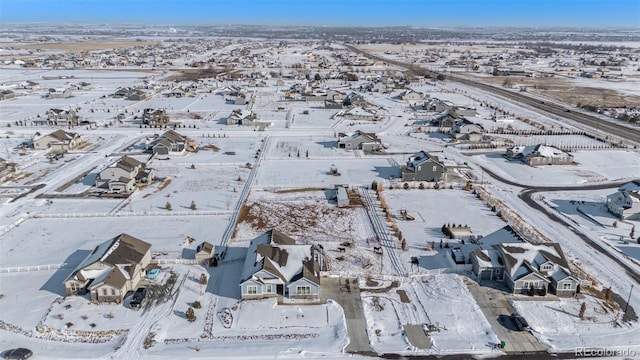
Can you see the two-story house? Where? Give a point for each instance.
(625, 203)
(155, 117)
(123, 175)
(423, 167)
(111, 269)
(58, 141)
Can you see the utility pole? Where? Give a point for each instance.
(629, 299)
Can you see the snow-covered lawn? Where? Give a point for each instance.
(592, 166)
(441, 300)
(557, 324)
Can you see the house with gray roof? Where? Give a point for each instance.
(170, 143)
(540, 154)
(360, 140)
(522, 266)
(625, 203)
(60, 117)
(111, 269)
(276, 266)
(423, 167)
(123, 175)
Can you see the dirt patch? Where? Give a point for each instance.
(403, 296)
(305, 219)
(162, 186)
(372, 283)
(393, 285)
(566, 90)
(208, 147)
(193, 74)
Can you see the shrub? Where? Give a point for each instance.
(615, 224)
(406, 186)
(543, 291)
(532, 291)
(69, 324)
(193, 166)
(193, 205)
(92, 325)
(168, 206)
(203, 279)
(374, 185)
(421, 186)
(190, 314)
(197, 305)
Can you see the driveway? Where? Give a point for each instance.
(497, 310)
(347, 294)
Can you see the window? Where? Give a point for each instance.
(252, 289)
(303, 290)
(547, 267)
(526, 285)
(435, 168)
(535, 284)
(497, 271)
(419, 167)
(567, 286)
(113, 292)
(269, 288)
(104, 292)
(73, 287)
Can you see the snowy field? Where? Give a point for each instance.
(592, 167)
(441, 300)
(558, 324)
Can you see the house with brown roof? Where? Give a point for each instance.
(111, 269)
(276, 266)
(170, 143)
(60, 117)
(123, 175)
(523, 266)
(58, 141)
(205, 252)
(153, 117)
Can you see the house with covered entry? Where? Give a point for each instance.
(155, 117)
(276, 266)
(170, 143)
(625, 203)
(113, 268)
(58, 141)
(540, 154)
(423, 167)
(60, 117)
(123, 175)
(241, 117)
(523, 266)
(360, 140)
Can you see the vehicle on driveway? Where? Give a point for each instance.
(138, 297)
(520, 322)
(18, 353)
(153, 273)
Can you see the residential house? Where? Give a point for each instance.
(276, 266)
(113, 268)
(240, 99)
(7, 94)
(523, 266)
(438, 105)
(179, 92)
(59, 117)
(336, 96)
(130, 94)
(58, 141)
(8, 170)
(170, 143)
(464, 129)
(411, 95)
(360, 140)
(540, 154)
(354, 99)
(122, 176)
(60, 93)
(241, 117)
(423, 167)
(625, 203)
(155, 117)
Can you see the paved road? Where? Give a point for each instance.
(605, 126)
(496, 309)
(347, 294)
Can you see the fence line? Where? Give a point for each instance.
(135, 213)
(30, 268)
(174, 261)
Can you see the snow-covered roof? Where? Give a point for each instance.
(521, 259)
(277, 254)
(540, 149)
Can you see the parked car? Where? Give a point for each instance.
(153, 273)
(520, 322)
(138, 297)
(19, 353)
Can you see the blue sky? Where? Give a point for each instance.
(427, 13)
